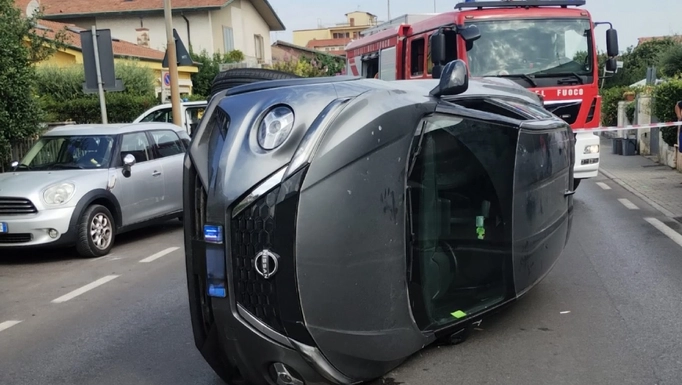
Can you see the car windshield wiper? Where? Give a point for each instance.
(522, 76)
(573, 75)
(66, 165)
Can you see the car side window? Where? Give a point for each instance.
(163, 115)
(167, 143)
(185, 138)
(137, 145)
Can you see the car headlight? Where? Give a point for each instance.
(275, 127)
(591, 149)
(59, 194)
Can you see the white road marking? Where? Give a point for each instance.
(628, 204)
(158, 255)
(84, 289)
(8, 324)
(665, 229)
(603, 185)
(564, 312)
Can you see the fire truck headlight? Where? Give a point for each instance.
(275, 127)
(591, 149)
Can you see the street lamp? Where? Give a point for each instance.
(172, 64)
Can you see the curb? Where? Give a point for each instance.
(641, 196)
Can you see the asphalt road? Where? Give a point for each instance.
(609, 312)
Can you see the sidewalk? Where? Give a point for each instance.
(657, 184)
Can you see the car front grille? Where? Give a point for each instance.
(16, 206)
(15, 238)
(253, 230)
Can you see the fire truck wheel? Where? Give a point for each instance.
(238, 76)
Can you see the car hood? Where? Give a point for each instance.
(23, 183)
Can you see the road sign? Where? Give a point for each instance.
(106, 61)
(166, 79)
(183, 57)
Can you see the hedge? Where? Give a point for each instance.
(60, 93)
(121, 108)
(665, 96)
(609, 104)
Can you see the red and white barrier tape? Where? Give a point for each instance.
(630, 127)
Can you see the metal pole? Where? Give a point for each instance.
(100, 84)
(388, 6)
(172, 64)
(434, 6)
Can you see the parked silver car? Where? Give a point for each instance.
(84, 184)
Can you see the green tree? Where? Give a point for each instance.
(209, 66)
(21, 45)
(671, 61)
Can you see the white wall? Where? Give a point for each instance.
(245, 22)
(123, 28)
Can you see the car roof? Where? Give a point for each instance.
(110, 129)
(186, 104)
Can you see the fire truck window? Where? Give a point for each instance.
(560, 47)
(417, 57)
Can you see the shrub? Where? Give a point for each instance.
(209, 66)
(305, 67)
(121, 108)
(62, 83)
(609, 104)
(665, 96)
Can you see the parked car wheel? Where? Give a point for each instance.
(96, 232)
(576, 183)
(239, 76)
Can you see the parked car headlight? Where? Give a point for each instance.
(59, 194)
(275, 127)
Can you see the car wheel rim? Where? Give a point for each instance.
(101, 231)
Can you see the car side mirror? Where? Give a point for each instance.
(453, 81)
(128, 163)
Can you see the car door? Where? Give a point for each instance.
(163, 115)
(170, 151)
(142, 190)
(193, 116)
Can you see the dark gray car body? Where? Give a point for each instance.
(340, 308)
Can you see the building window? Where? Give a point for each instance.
(228, 39)
(355, 35)
(260, 49)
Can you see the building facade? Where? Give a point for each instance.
(334, 39)
(217, 26)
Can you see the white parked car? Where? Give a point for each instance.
(191, 114)
(84, 184)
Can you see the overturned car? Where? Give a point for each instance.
(335, 226)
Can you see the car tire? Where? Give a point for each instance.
(96, 232)
(239, 76)
(576, 183)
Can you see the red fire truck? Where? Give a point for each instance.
(547, 46)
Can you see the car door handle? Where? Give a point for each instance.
(156, 173)
(569, 192)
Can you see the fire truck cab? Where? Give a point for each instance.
(546, 46)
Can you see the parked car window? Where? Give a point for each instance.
(137, 145)
(167, 143)
(185, 138)
(460, 190)
(194, 115)
(59, 152)
(164, 115)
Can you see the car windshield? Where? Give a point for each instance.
(532, 47)
(69, 152)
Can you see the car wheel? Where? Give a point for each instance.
(576, 183)
(96, 232)
(239, 76)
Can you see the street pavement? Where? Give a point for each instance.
(608, 313)
(656, 183)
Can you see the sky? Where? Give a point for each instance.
(658, 18)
